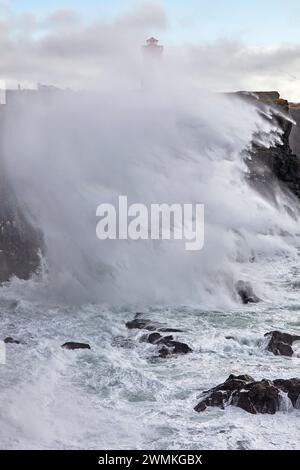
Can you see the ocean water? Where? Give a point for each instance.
(116, 397)
(160, 146)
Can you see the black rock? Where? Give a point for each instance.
(140, 324)
(10, 340)
(72, 345)
(167, 340)
(171, 347)
(257, 397)
(168, 346)
(179, 348)
(164, 352)
(144, 324)
(170, 330)
(280, 343)
(154, 338)
(250, 395)
(291, 387)
(246, 293)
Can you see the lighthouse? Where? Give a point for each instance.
(152, 64)
(152, 50)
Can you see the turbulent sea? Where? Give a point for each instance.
(116, 397)
(163, 147)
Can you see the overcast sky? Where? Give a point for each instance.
(223, 44)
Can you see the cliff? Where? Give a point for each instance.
(20, 242)
(295, 133)
(279, 165)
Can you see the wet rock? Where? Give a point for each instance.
(170, 330)
(258, 397)
(140, 324)
(280, 343)
(154, 338)
(246, 293)
(219, 396)
(167, 345)
(72, 345)
(292, 388)
(171, 347)
(255, 397)
(177, 347)
(164, 352)
(10, 340)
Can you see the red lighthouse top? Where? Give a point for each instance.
(152, 40)
(152, 48)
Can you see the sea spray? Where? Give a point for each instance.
(67, 154)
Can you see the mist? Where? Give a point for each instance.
(67, 152)
(156, 133)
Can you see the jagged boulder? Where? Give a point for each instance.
(246, 293)
(144, 324)
(264, 396)
(166, 344)
(280, 343)
(257, 397)
(140, 324)
(174, 347)
(292, 388)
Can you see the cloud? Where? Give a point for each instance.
(62, 18)
(234, 65)
(64, 50)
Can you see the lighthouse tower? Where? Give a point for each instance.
(152, 50)
(152, 66)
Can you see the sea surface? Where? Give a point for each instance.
(119, 395)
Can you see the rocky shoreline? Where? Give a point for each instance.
(21, 243)
(242, 391)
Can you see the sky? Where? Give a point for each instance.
(265, 22)
(254, 43)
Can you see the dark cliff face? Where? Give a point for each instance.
(20, 243)
(295, 133)
(279, 165)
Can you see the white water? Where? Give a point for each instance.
(66, 158)
(111, 397)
